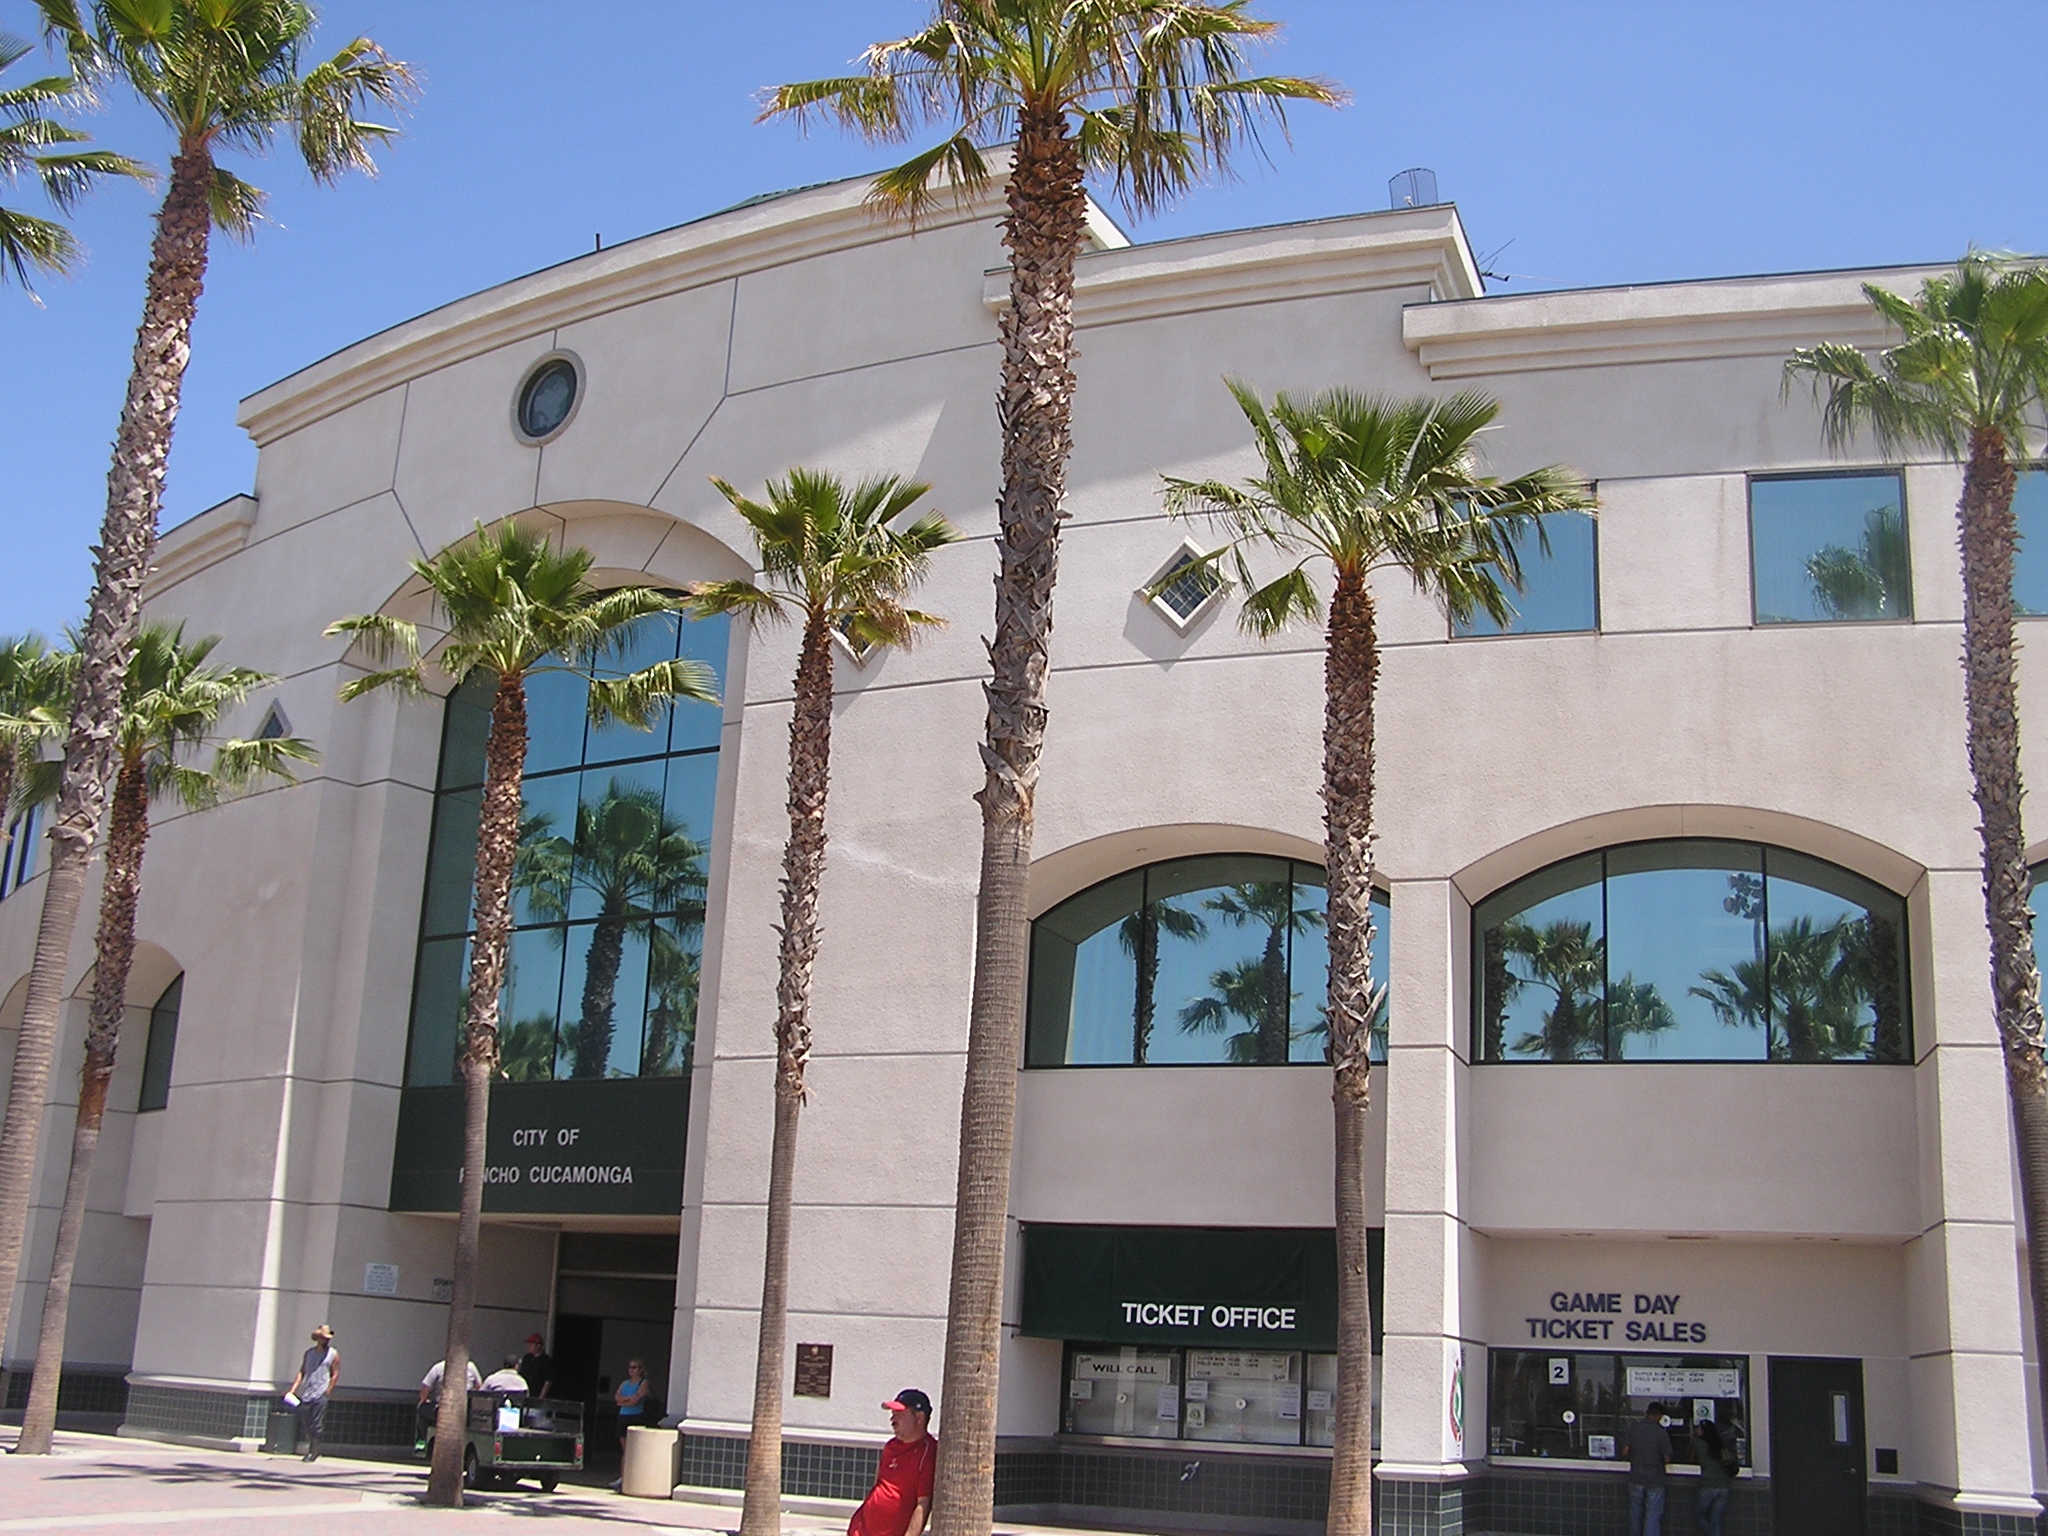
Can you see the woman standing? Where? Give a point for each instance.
(632, 1398)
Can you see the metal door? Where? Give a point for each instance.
(1818, 1468)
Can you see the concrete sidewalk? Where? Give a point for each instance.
(96, 1482)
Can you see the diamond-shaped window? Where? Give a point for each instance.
(274, 725)
(1186, 587)
(855, 647)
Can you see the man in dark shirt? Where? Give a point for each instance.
(1649, 1453)
(536, 1367)
(901, 1500)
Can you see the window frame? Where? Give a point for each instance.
(1593, 520)
(1476, 979)
(1382, 921)
(1752, 478)
(530, 375)
(2035, 467)
(150, 1057)
(449, 788)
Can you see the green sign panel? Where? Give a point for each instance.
(609, 1147)
(1271, 1287)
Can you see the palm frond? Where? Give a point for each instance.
(638, 698)
(381, 636)
(408, 681)
(742, 598)
(236, 206)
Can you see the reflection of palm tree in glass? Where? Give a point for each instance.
(673, 974)
(1565, 958)
(1810, 985)
(527, 1054)
(636, 862)
(1635, 1008)
(1139, 936)
(1240, 993)
(1870, 581)
(1261, 903)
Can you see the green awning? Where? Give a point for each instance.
(1270, 1287)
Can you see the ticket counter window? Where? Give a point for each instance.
(1113, 1391)
(1573, 1407)
(1221, 1396)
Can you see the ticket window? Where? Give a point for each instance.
(1129, 1391)
(1548, 1404)
(1244, 1396)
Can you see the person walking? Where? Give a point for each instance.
(901, 1501)
(1649, 1455)
(319, 1373)
(1717, 1475)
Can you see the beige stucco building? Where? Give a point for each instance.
(1636, 1132)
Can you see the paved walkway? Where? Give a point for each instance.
(101, 1483)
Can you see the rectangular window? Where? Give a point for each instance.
(1829, 548)
(161, 1048)
(1560, 587)
(18, 851)
(2030, 559)
(1556, 1405)
(1221, 1396)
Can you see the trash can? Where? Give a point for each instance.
(281, 1432)
(650, 1469)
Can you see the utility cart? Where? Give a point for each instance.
(513, 1436)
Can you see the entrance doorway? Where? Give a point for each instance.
(1819, 1474)
(615, 1301)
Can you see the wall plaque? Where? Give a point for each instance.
(814, 1370)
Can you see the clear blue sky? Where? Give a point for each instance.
(1611, 143)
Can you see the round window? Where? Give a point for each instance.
(546, 400)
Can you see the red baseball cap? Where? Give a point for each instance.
(534, 1338)
(910, 1400)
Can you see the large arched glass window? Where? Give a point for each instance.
(609, 888)
(1219, 959)
(1691, 950)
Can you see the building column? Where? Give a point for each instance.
(1965, 1276)
(1429, 1366)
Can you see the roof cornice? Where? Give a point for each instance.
(206, 538)
(1667, 322)
(750, 238)
(1414, 247)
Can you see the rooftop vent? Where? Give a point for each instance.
(1413, 188)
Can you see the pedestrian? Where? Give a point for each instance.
(430, 1392)
(506, 1378)
(901, 1500)
(1717, 1475)
(537, 1366)
(1649, 1454)
(319, 1373)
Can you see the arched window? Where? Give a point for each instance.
(609, 887)
(1691, 950)
(1219, 959)
(162, 1046)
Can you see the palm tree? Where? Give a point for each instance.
(1241, 993)
(674, 977)
(1138, 935)
(1871, 581)
(831, 560)
(1154, 96)
(35, 689)
(513, 607)
(171, 701)
(1967, 380)
(1365, 483)
(221, 74)
(1268, 904)
(26, 137)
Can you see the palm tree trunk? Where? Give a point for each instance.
(126, 838)
(1147, 1003)
(600, 994)
(135, 482)
(1034, 407)
(803, 866)
(1351, 672)
(1273, 1017)
(497, 846)
(1991, 697)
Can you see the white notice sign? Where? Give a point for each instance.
(380, 1279)
(1678, 1381)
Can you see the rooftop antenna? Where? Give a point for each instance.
(1413, 188)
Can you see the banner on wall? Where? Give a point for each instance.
(1454, 1400)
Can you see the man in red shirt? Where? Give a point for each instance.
(901, 1500)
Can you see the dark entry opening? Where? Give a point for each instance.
(1819, 1470)
(615, 1296)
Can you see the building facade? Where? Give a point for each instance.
(1690, 1089)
